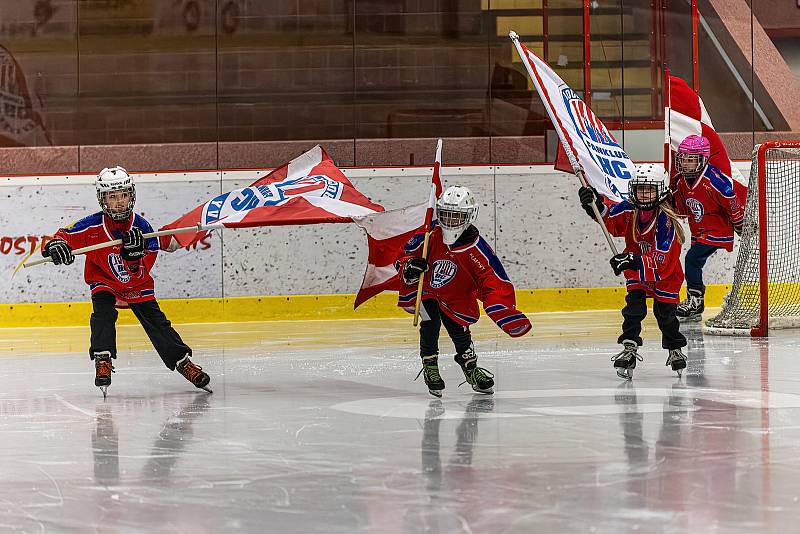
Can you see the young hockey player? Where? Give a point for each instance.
(715, 210)
(464, 269)
(651, 263)
(120, 276)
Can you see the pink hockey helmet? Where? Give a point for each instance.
(695, 144)
(692, 156)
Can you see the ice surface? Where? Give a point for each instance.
(319, 427)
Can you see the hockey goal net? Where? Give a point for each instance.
(766, 280)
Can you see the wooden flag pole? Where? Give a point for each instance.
(106, 244)
(421, 282)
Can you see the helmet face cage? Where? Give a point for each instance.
(112, 181)
(690, 165)
(117, 215)
(453, 218)
(636, 197)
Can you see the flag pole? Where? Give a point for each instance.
(435, 178)
(668, 125)
(106, 244)
(577, 168)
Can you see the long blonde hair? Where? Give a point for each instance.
(670, 212)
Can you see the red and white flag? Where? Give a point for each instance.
(387, 234)
(436, 187)
(310, 189)
(686, 115)
(389, 231)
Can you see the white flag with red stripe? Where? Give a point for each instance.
(387, 234)
(686, 115)
(389, 231)
(310, 189)
(586, 140)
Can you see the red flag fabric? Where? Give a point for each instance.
(688, 116)
(387, 234)
(310, 189)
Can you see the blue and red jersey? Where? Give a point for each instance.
(714, 205)
(462, 274)
(655, 240)
(105, 270)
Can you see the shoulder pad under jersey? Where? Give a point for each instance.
(719, 181)
(96, 219)
(665, 232)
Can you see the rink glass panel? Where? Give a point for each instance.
(375, 80)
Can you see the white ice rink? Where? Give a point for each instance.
(319, 427)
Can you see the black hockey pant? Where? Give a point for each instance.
(165, 339)
(432, 319)
(635, 311)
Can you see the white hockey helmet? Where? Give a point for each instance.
(115, 179)
(456, 209)
(647, 188)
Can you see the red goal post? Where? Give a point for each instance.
(766, 279)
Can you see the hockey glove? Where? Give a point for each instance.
(413, 269)
(589, 196)
(132, 245)
(625, 261)
(60, 251)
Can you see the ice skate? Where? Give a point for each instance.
(625, 361)
(691, 309)
(194, 374)
(102, 371)
(430, 373)
(677, 360)
(480, 379)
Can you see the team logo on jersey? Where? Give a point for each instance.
(696, 207)
(118, 268)
(646, 247)
(443, 272)
(235, 205)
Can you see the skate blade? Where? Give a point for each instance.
(488, 391)
(436, 393)
(206, 388)
(625, 374)
(104, 390)
(691, 319)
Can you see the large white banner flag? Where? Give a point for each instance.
(586, 140)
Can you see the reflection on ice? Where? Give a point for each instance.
(305, 436)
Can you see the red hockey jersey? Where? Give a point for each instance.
(462, 274)
(105, 270)
(714, 207)
(661, 275)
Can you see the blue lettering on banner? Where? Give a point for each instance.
(600, 144)
(275, 194)
(620, 169)
(605, 165)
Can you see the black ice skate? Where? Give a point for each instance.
(691, 309)
(102, 371)
(625, 361)
(677, 360)
(480, 379)
(430, 373)
(194, 374)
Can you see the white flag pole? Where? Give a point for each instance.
(576, 166)
(106, 244)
